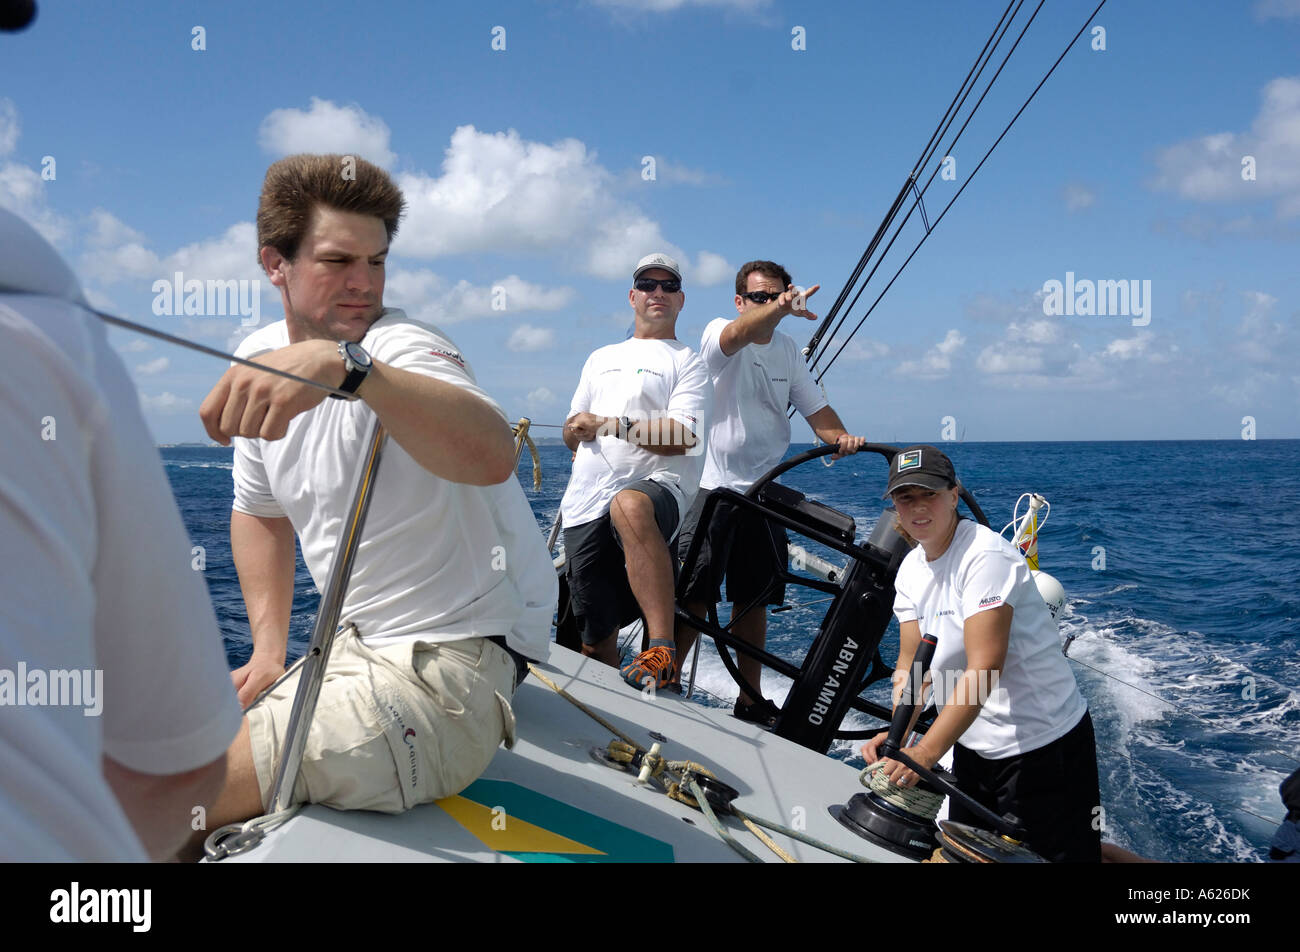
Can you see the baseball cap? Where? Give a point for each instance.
(920, 465)
(657, 260)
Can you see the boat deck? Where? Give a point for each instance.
(550, 800)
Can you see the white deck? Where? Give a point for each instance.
(597, 805)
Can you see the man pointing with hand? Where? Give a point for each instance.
(757, 373)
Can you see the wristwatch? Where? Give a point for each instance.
(624, 427)
(357, 363)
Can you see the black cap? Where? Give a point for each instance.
(920, 465)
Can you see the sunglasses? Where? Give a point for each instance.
(760, 297)
(648, 285)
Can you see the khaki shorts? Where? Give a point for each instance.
(394, 726)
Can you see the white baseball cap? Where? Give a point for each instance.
(657, 260)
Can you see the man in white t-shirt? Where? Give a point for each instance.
(757, 373)
(634, 427)
(452, 584)
(115, 707)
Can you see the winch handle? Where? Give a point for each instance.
(910, 699)
(892, 747)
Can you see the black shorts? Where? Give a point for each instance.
(740, 545)
(597, 571)
(1053, 790)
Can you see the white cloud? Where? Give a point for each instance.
(228, 329)
(999, 359)
(326, 127)
(1263, 341)
(526, 338)
(231, 256)
(156, 366)
(1210, 168)
(1277, 9)
(668, 172)
(1078, 197)
(108, 231)
(1127, 348)
(427, 297)
(1043, 331)
(665, 6)
(710, 269)
(22, 191)
(541, 397)
(501, 193)
(118, 253)
(166, 402)
(937, 362)
(865, 349)
(134, 346)
(9, 127)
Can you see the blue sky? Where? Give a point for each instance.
(525, 170)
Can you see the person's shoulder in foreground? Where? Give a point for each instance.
(105, 619)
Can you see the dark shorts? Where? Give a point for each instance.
(738, 545)
(597, 571)
(1053, 790)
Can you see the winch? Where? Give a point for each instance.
(902, 819)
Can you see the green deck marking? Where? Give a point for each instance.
(620, 844)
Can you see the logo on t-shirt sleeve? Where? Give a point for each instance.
(988, 601)
(453, 356)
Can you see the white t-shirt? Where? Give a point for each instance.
(438, 560)
(100, 609)
(1036, 699)
(751, 391)
(644, 380)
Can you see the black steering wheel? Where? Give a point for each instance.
(884, 449)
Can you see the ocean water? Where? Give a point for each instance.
(1181, 565)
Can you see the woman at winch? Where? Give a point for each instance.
(1006, 696)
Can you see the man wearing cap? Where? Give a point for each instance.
(635, 426)
(757, 372)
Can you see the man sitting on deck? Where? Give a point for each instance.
(452, 583)
(633, 427)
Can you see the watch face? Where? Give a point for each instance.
(357, 355)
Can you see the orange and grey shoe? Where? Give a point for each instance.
(657, 663)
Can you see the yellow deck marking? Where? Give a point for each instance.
(518, 836)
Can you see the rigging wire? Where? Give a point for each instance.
(954, 108)
(920, 198)
(968, 180)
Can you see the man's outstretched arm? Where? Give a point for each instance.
(450, 432)
(758, 323)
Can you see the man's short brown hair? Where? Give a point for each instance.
(769, 268)
(295, 185)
